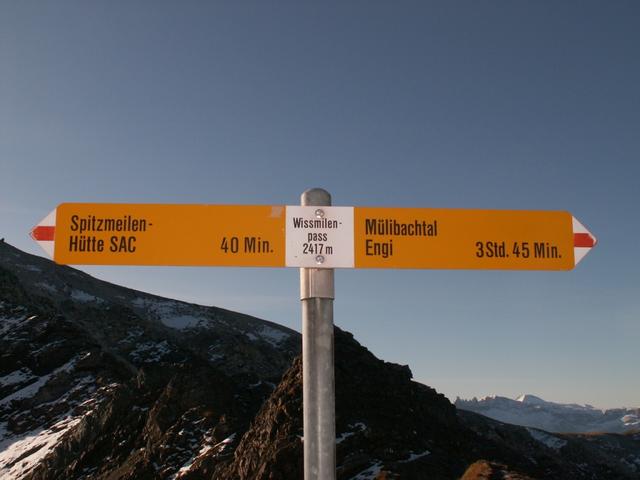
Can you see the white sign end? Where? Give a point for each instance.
(44, 233)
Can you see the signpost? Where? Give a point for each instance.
(310, 237)
(317, 238)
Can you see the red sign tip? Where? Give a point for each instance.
(584, 240)
(43, 233)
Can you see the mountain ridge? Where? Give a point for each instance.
(101, 382)
(532, 411)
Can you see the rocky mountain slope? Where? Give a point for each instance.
(99, 381)
(102, 382)
(532, 411)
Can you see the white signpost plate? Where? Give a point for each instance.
(319, 237)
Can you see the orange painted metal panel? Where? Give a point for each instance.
(157, 234)
(463, 239)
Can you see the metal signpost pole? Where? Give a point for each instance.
(317, 294)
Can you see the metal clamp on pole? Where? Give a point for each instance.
(316, 283)
(317, 294)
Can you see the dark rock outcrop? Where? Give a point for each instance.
(384, 421)
(391, 427)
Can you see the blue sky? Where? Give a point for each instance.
(496, 105)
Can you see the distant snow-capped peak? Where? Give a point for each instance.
(531, 399)
(532, 411)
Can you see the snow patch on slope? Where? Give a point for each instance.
(268, 334)
(21, 451)
(370, 473)
(631, 420)
(150, 352)
(273, 336)
(208, 446)
(84, 297)
(530, 399)
(355, 428)
(415, 456)
(18, 456)
(47, 286)
(33, 388)
(8, 323)
(16, 377)
(547, 439)
(171, 313)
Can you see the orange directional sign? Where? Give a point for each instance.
(468, 239)
(315, 237)
(145, 234)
